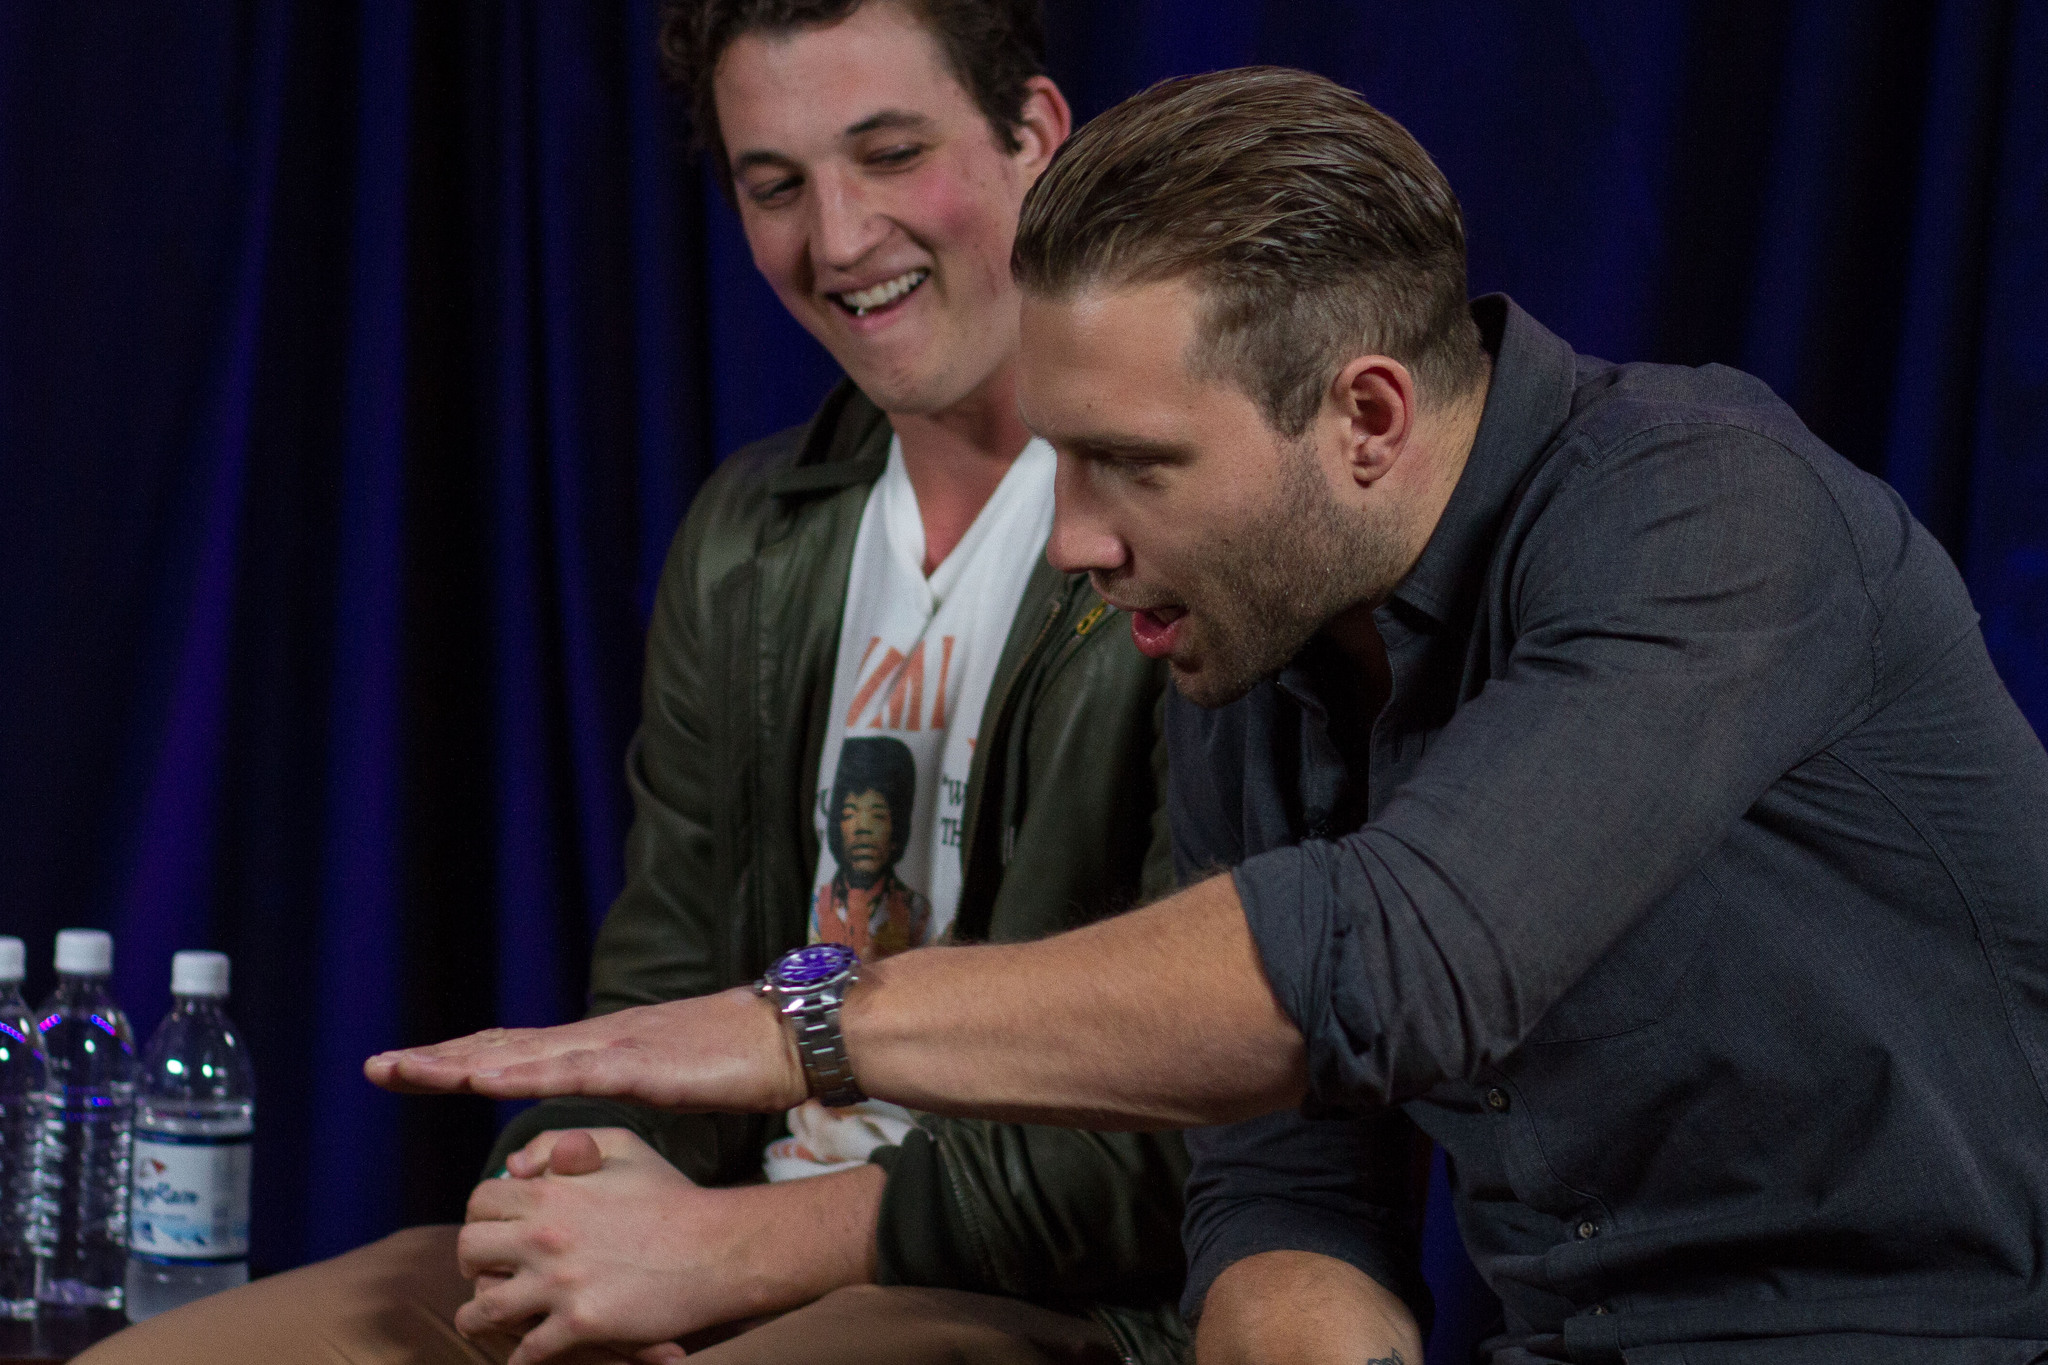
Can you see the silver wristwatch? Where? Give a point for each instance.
(807, 986)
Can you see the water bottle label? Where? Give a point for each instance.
(191, 1197)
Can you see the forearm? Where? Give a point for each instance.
(811, 1236)
(1298, 1308)
(1160, 1018)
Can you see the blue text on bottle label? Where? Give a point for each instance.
(191, 1197)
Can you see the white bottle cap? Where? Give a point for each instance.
(13, 959)
(85, 952)
(195, 973)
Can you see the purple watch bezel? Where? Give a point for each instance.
(812, 966)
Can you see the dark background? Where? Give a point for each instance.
(357, 362)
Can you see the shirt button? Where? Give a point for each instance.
(1497, 1100)
(1587, 1229)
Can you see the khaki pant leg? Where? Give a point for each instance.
(390, 1303)
(393, 1303)
(872, 1325)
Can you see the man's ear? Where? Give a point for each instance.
(1043, 122)
(1374, 398)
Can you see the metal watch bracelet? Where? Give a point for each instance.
(808, 985)
(814, 1025)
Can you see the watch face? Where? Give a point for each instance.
(812, 966)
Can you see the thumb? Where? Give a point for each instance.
(532, 1159)
(575, 1153)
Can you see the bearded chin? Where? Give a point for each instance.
(1260, 645)
(1209, 690)
(862, 881)
(1289, 573)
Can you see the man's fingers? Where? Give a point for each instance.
(448, 1073)
(494, 1200)
(384, 1062)
(504, 1307)
(384, 1070)
(532, 1159)
(550, 1338)
(452, 1065)
(485, 1248)
(575, 1153)
(661, 1353)
(411, 1074)
(578, 1071)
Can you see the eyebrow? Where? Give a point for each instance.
(1107, 447)
(746, 161)
(879, 121)
(888, 118)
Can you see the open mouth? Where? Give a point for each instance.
(1156, 630)
(862, 302)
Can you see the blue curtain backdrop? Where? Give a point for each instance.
(357, 362)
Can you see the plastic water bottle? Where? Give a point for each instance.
(195, 1123)
(24, 1214)
(86, 1110)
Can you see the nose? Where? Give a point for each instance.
(844, 225)
(1083, 540)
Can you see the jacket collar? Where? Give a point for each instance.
(1527, 403)
(846, 442)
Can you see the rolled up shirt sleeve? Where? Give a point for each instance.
(1688, 620)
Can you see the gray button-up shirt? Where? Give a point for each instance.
(1691, 890)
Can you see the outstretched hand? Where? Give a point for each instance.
(724, 1053)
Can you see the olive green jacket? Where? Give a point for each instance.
(1064, 824)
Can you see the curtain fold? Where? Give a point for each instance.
(2005, 548)
(360, 910)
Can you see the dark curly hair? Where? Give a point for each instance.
(992, 47)
(874, 763)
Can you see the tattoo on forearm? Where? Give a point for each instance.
(1394, 1359)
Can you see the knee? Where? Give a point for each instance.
(871, 1304)
(862, 1295)
(435, 1242)
(353, 1306)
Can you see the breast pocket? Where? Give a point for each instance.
(1637, 981)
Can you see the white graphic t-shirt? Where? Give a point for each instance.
(916, 658)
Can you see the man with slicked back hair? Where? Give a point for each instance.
(1579, 763)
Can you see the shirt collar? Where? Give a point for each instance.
(1528, 400)
(846, 442)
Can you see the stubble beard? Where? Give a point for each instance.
(1267, 590)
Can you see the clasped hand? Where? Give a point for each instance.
(595, 1239)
